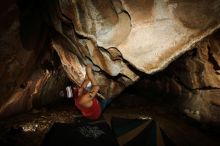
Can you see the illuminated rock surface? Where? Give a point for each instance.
(124, 40)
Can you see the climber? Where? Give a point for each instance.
(85, 96)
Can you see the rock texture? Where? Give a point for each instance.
(28, 67)
(199, 76)
(120, 37)
(193, 80)
(123, 39)
(114, 35)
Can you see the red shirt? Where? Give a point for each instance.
(92, 112)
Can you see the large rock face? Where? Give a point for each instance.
(199, 76)
(115, 35)
(194, 81)
(27, 66)
(123, 39)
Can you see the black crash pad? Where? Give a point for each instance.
(96, 133)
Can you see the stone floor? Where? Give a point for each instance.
(29, 128)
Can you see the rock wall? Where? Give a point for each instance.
(123, 39)
(28, 67)
(193, 81)
(199, 76)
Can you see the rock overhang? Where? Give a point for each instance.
(147, 35)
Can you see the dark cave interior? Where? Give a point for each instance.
(40, 41)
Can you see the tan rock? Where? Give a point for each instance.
(148, 35)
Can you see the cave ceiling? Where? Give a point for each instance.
(123, 39)
(121, 36)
